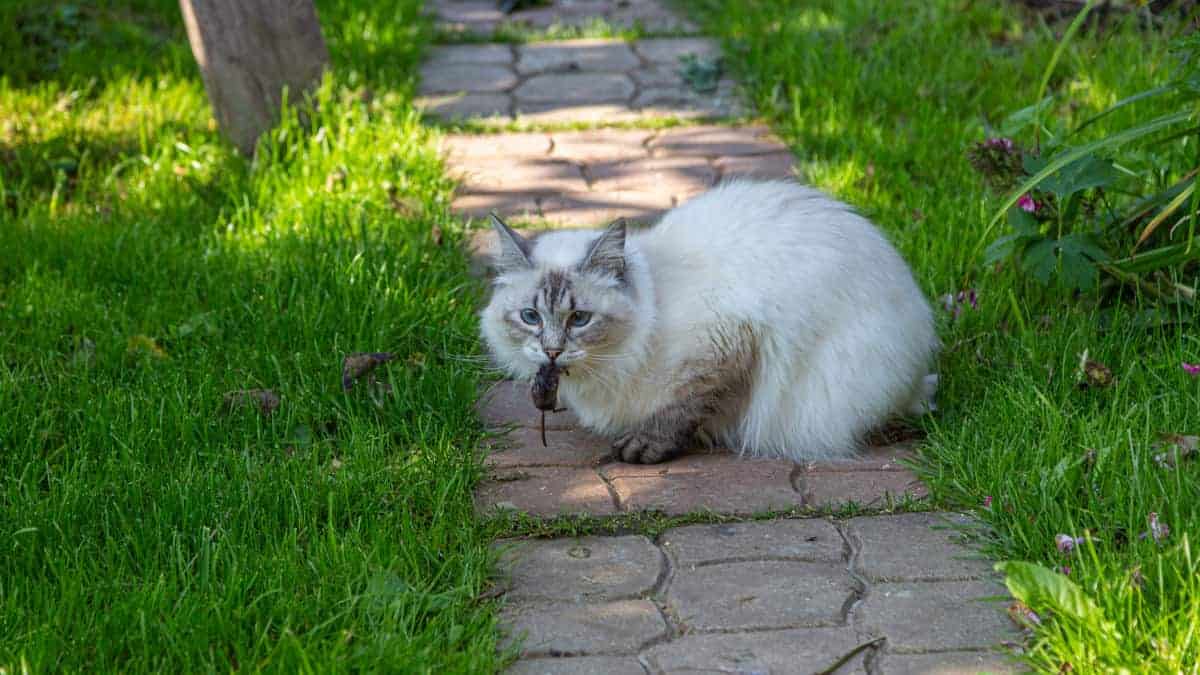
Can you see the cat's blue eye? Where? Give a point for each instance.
(530, 316)
(579, 319)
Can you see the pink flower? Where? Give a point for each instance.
(1066, 543)
(1158, 531)
(954, 302)
(1192, 369)
(1000, 143)
(987, 502)
(1027, 204)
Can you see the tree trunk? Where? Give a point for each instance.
(249, 51)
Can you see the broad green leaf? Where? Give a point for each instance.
(1005, 247)
(1040, 261)
(1108, 142)
(1019, 120)
(1022, 221)
(1043, 589)
(1077, 271)
(1086, 172)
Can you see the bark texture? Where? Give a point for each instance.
(249, 52)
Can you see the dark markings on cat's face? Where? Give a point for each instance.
(555, 299)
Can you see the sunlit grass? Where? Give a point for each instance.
(880, 104)
(147, 271)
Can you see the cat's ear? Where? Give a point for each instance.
(514, 249)
(607, 254)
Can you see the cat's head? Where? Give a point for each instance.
(566, 298)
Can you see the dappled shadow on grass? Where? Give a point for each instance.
(73, 42)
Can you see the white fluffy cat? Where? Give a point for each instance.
(765, 316)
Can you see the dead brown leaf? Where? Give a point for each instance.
(356, 365)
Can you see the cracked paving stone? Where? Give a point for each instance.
(463, 106)
(907, 547)
(486, 54)
(545, 491)
(540, 175)
(594, 209)
(866, 488)
(783, 652)
(575, 56)
(564, 447)
(807, 540)
(448, 78)
(602, 144)
(508, 402)
(669, 51)
(936, 616)
(670, 175)
(546, 629)
(582, 569)
(571, 89)
(578, 665)
(715, 141)
(760, 594)
(510, 205)
(555, 112)
(774, 165)
(719, 482)
(948, 663)
(872, 458)
(461, 148)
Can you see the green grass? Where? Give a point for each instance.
(146, 272)
(880, 101)
(516, 32)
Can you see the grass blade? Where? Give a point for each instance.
(1058, 52)
(1170, 208)
(1066, 158)
(1141, 96)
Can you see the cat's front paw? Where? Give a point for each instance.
(639, 447)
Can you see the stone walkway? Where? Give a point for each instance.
(804, 593)
(793, 596)
(571, 81)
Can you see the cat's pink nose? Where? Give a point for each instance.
(553, 353)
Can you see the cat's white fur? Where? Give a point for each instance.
(843, 337)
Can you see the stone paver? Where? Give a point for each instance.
(591, 177)
(592, 80)
(877, 593)
(576, 55)
(932, 552)
(872, 488)
(553, 629)
(578, 665)
(483, 17)
(589, 568)
(788, 596)
(508, 403)
(807, 540)
(760, 594)
(546, 491)
(523, 448)
(782, 652)
(719, 482)
(954, 615)
(947, 663)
